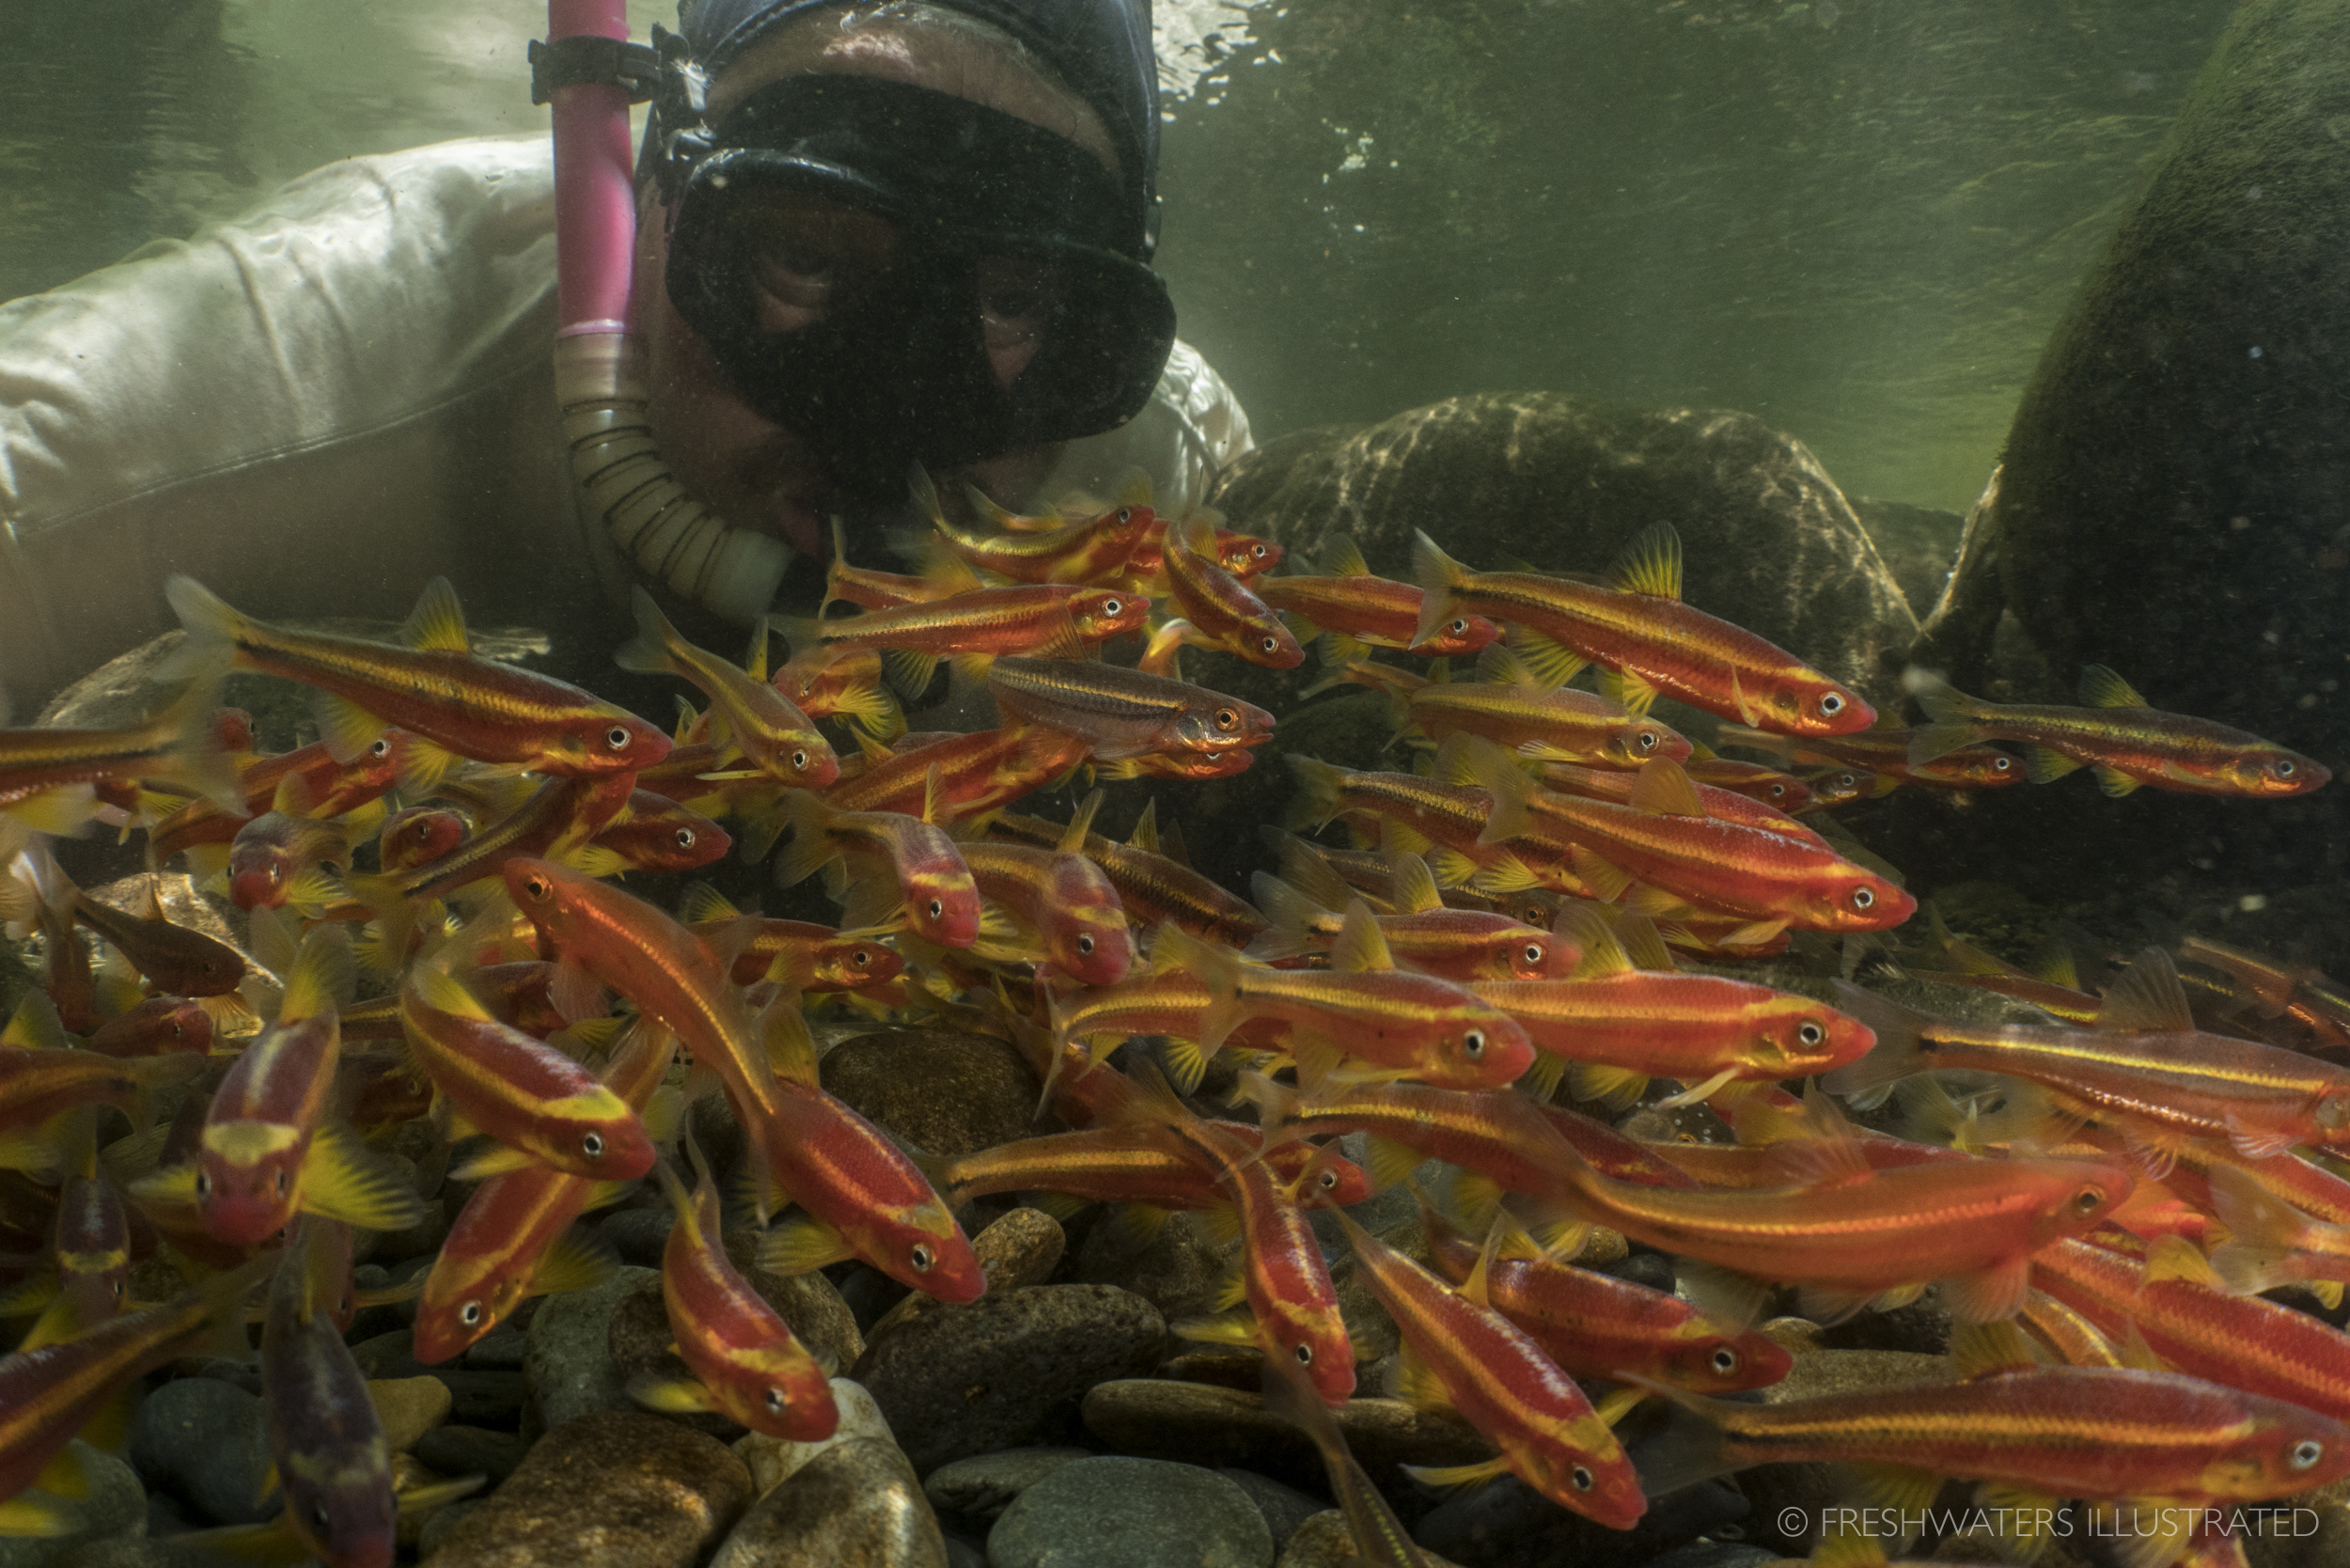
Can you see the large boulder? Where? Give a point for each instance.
(2171, 500)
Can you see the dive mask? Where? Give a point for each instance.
(902, 276)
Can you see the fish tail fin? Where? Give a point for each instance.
(1218, 968)
(199, 759)
(1318, 790)
(837, 566)
(1897, 1053)
(213, 627)
(1497, 772)
(1690, 1449)
(1440, 578)
(2264, 1234)
(1953, 719)
(321, 975)
(1277, 1107)
(812, 847)
(649, 652)
(393, 909)
(1292, 914)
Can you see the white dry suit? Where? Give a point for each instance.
(317, 407)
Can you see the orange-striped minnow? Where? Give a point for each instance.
(1355, 610)
(1507, 704)
(1225, 612)
(535, 1100)
(324, 1435)
(2103, 1433)
(1457, 945)
(48, 777)
(451, 703)
(1153, 888)
(1636, 627)
(922, 866)
(2114, 732)
(746, 715)
(1125, 712)
(1468, 1356)
(1885, 751)
(1089, 550)
(2143, 1066)
(746, 1362)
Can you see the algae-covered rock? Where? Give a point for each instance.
(943, 1092)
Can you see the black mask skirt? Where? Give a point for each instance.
(852, 248)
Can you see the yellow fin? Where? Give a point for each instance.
(1650, 564)
(437, 624)
(342, 1178)
(1458, 1474)
(2102, 688)
(2175, 1258)
(1360, 947)
(577, 1261)
(801, 1245)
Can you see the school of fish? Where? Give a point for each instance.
(1538, 912)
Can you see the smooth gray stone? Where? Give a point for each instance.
(1006, 1370)
(1112, 1512)
(204, 1441)
(638, 1235)
(613, 1487)
(1284, 1507)
(115, 1508)
(961, 1554)
(470, 1450)
(443, 1520)
(855, 1505)
(981, 1487)
(500, 1350)
(568, 1364)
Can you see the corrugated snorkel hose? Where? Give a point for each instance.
(599, 369)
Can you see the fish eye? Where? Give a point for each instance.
(592, 1146)
(118, 1289)
(1648, 739)
(320, 1517)
(1863, 898)
(2306, 1452)
(2002, 763)
(2088, 1201)
(775, 1401)
(284, 1182)
(938, 907)
(1227, 719)
(1532, 953)
(178, 1030)
(1725, 1361)
(861, 958)
(1111, 606)
(1778, 791)
(1085, 946)
(538, 886)
(203, 1183)
(616, 737)
(1458, 628)
(921, 1258)
(2281, 767)
(470, 1314)
(799, 760)
(685, 837)
(1270, 645)
(1125, 514)
(276, 875)
(1305, 1355)
(381, 749)
(1473, 1043)
(1257, 551)
(1831, 704)
(1809, 1033)
(1581, 1478)
(1328, 1181)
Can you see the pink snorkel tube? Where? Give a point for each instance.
(599, 369)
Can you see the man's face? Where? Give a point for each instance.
(761, 474)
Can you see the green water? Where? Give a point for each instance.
(1859, 228)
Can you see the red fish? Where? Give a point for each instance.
(452, 703)
(1356, 610)
(1467, 1355)
(325, 1436)
(748, 717)
(925, 870)
(1638, 629)
(1226, 615)
(747, 1364)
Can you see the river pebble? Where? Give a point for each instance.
(979, 1488)
(773, 1460)
(942, 1091)
(1112, 1512)
(855, 1505)
(114, 1508)
(1203, 1425)
(613, 1487)
(409, 1407)
(1007, 1370)
(568, 1366)
(203, 1441)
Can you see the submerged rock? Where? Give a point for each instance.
(855, 1505)
(614, 1486)
(1563, 483)
(1324, 1542)
(1019, 1249)
(1204, 1425)
(1006, 1370)
(774, 1460)
(1111, 1512)
(203, 1441)
(2170, 499)
(115, 1508)
(943, 1092)
(981, 1487)
(568, 1364)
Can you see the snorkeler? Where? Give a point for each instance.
(868, 235)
